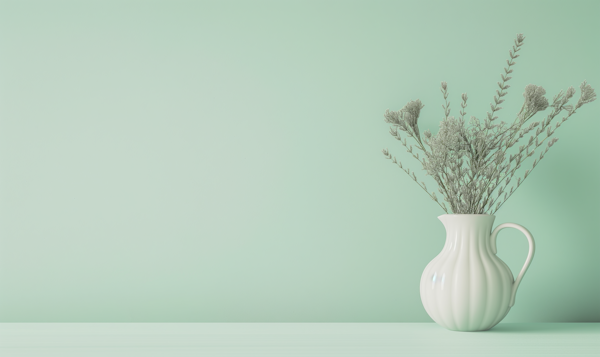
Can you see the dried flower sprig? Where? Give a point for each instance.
(470, 162)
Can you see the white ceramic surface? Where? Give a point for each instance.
(467, 287)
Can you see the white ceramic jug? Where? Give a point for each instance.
(467, 287)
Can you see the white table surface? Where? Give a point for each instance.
(295, 339)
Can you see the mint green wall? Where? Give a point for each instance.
(221, 161)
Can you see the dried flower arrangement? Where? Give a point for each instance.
(469, 162)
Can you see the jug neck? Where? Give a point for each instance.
(468, 229)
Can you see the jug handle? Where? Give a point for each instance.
(529, 256)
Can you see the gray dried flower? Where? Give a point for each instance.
(520, 37)
(410, 114)
(470, 163)
(534, 99)
(392, 117)
(587, 94)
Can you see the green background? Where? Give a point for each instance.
(220, 161)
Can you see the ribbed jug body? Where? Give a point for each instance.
(467, 287)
